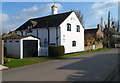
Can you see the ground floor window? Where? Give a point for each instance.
(73, 43)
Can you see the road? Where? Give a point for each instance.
(89, 67)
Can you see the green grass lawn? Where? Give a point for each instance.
(32, 60)
(25, 61)
(81, 53)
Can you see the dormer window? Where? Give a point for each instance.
(68, 27)
(78, 28)
(29, 29)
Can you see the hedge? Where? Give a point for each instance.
(56, 50)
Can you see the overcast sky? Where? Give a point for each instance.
(16, 13)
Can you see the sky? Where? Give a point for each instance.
(14, 14)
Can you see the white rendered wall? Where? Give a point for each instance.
(54, 10)
(43, 35)
(13, 48)
(65, 37)
(68, 36)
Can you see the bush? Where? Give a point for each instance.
(56, 50)
(7, 60)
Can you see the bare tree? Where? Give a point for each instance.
(80, 16)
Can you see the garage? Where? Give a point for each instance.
(30, 48)
(22, 47)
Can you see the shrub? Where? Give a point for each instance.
(56, 50)
(89, 41)
(7, 60)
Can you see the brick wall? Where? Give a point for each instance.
(91, 47)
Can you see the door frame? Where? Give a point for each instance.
(28, 38)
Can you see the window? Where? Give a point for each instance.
(16, 41)
(52, 44)
(10, 41)
(29, 29)
(73, 43)
(78, 28)
(68, 27)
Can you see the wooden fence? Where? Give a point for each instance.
(2, 52)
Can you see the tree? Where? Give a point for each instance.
(80, 16)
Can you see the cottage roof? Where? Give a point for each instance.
(15, 36)
(89, 31)
(44, 22)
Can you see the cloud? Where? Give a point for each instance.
(9, 27)
(36, 11)
(25, 14)
(3, 17)
(102, 8)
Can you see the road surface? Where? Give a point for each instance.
(89, 67)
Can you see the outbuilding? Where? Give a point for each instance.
(22, 47)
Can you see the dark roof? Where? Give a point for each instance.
(13, 35)
(89, 31)
(17, 37)
(44, 22)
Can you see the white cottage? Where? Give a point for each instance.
(21, 47)
(56, 29)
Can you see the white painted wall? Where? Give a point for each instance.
(43, 35)
(54, 10)
(65, 37)
(13, 48)
(68, 36)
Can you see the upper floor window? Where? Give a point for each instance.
(68, 27)
(10, 41)
(29, 29)
(78, 28)
(16, 41)
(73, 43)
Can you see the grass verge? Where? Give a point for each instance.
(25, 61)
(32, 60)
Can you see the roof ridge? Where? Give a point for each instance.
(50, 15)
(46, 21)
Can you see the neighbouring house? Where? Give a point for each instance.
(92, 37)
(21, 46)
(95, 33)
(56, 29)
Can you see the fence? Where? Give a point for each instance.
(2, 52)
(93, 47)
